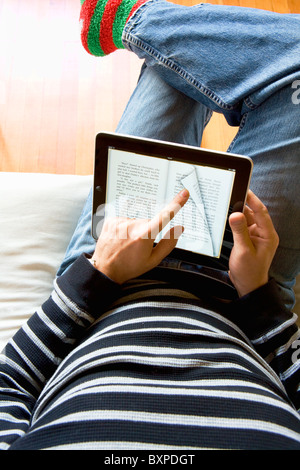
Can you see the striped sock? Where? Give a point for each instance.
(102, 24)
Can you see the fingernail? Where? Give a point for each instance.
(184, 193)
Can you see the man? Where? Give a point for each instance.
(118, 359)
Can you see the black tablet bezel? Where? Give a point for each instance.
(241, 164)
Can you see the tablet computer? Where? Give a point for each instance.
(136, 177)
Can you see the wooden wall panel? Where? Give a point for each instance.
(54, 97)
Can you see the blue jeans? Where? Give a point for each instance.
(243, 63)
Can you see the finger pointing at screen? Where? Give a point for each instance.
(125, 248)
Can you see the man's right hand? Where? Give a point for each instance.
(125, 248)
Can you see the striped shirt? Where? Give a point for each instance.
(150, 365)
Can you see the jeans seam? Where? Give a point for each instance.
(242, 124)
(131, 40)
(249, 103)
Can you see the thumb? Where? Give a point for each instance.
(166, 244)
(238, 225)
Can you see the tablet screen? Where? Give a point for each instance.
(139, 186)
(137, 178)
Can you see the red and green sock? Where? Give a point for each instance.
(102, 24)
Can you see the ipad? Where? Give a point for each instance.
(136, 177)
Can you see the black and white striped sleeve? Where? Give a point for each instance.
(273, 331)
(33, 354)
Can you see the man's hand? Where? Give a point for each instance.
(255, 244)
(125, 248)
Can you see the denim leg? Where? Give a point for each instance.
(225, 57)
(270, 135)
(241, 62)
(82, 240)
(155, 110)
(237, 61)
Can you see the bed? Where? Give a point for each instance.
(38, 214)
